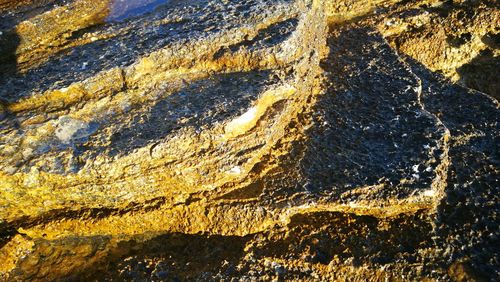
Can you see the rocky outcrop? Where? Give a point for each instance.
(214, 140)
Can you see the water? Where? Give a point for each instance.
(124, 9)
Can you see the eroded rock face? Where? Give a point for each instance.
(220, 140)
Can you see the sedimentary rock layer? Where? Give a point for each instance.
(202, 140)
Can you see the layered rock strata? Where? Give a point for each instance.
(219, 140)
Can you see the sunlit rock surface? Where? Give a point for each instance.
(250, 140)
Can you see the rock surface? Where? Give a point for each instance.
(249, 140)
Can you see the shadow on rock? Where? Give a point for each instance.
(9, 41)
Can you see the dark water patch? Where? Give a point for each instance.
(123, 9)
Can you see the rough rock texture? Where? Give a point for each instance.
(249, 140)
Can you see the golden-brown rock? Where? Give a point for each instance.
(214, 140)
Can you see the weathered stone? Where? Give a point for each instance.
(222, 140)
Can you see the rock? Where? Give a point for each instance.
(222, 140)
